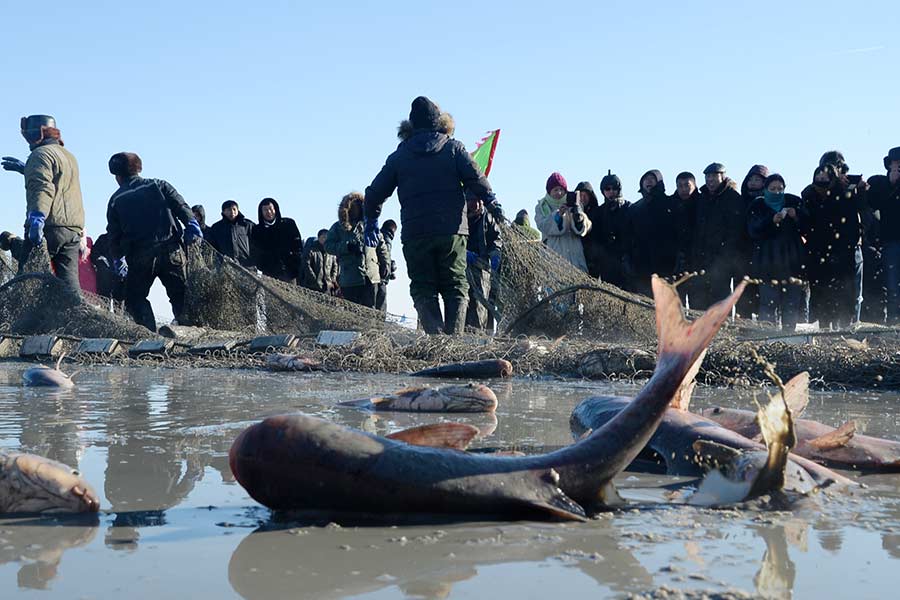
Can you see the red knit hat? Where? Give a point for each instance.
(556, 180)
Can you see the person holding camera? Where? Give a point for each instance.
(360, 265)
(774, 223)
(561, 219)
(884, 196)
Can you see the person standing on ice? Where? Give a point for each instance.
(561, 219)
(431, 172)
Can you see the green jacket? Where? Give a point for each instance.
(357, 269)
(52, 186)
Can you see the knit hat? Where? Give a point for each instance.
(556, 180)
(714, 168)
(125, 164)
(611, 180)
(424, 114)
(774, 177)
(893, 154)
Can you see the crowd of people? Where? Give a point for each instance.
(830, 254)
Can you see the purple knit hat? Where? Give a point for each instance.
(556, 180)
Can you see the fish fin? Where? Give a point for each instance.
(712, 454)
(562, 511)
(682, 399)
(409, 391)
(676, 335)
(59, 360)
(609, 496)
(72, 376)
(796, 393)
(457, 436)
(838, 438)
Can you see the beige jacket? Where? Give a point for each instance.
(53, 188)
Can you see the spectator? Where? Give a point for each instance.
(752, 187)
(231, 234)
(884, 196)
(652, 233)
(276, 243)
(605, 246)
(561, 220)
(388, 230)
(200, 217)
(523, 224)
(320, 271)
(110, 283)
(774, 223)
(482, 260)
(686, 197)
(360, 265)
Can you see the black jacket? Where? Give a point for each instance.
(833, 230)
(320, 269)
(686, 211)
(606, 244)
(276, 248)
(885, 198)
(778, 251)
(233, 238)
(653, 234)
(427, 170)
(720, 240)
(144, 213)
(484, 236)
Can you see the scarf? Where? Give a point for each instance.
(774, 201)
(549, 205)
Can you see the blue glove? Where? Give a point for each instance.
(495, 263)
(496, 210)
(35, 224)
(11, 163)
(372, 232)
(471, 257)
(192, 231)
(121, 267)
(558, 218)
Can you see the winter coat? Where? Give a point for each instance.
(276, 248)
(320, 269)
(564, 239)
(426, 170)
(885, 198)
(232, 238)
(833, 230)
(52, 186)
(484, 236)
(653, 235)
(356, 269)
(686, 217)
(778, 251)
(204, 228)
(606, 244)
(144, 213)
(720, 241)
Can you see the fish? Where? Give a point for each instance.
(34, 484)
(44, 376)
(479, 369)
(457, 436)
(738, 475)
(840, 447)
(470, 398)
(673, 441)
(289, 362)
(300, 462)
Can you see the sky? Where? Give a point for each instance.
(300, 101)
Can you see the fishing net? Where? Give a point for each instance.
(221, 294)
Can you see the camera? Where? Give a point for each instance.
(571, 199)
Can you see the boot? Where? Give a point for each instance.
(455, 309)
(430, 315)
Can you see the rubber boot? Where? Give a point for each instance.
(430, 315)
(455, 313)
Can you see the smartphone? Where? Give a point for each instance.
(571, 199)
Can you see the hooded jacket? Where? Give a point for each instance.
(884, 197)
(233, 238)
(201, 219)
(833, 230)
(564, 238)
(653, 233)
(606, 244)
(720, 241)
(276, 247)
(53, 187)
(426, 170)
(355, 269)
(778, 251)
(320, 269)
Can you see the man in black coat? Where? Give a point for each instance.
(721, 244)
(482, 260)
(686, 197)
(606, 244)
(275, 243)
(884, 196)
(431, 172)
(200, 216)
(652, 234)
(144, 218)
(231, 234)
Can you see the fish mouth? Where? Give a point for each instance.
(86, 498)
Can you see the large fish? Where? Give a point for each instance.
(47, 376)
(470, 398)
(673, 441)
(34, 484)
(840, 447)
(292, 462)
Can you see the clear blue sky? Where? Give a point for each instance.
(300, 101)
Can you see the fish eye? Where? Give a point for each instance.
(76, 472)
(717, 410)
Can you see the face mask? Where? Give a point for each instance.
(773, 200)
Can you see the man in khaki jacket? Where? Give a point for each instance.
(54, 208)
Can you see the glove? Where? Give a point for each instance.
(192, 232)
(35, 224)
(495, 263)
(10, 163)
(471, 257)
(559, 221)
(496, 210)
(371, 235)
(355, 247)
(121, 267)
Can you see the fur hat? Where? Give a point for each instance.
(893, 154)
(348, 203)
(556, 180)
(125, 164)
(714, 168)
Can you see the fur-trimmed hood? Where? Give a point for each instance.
(351, 199)
(446, 125)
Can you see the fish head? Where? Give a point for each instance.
(39, 485)
(47, 377)
(730, 418)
